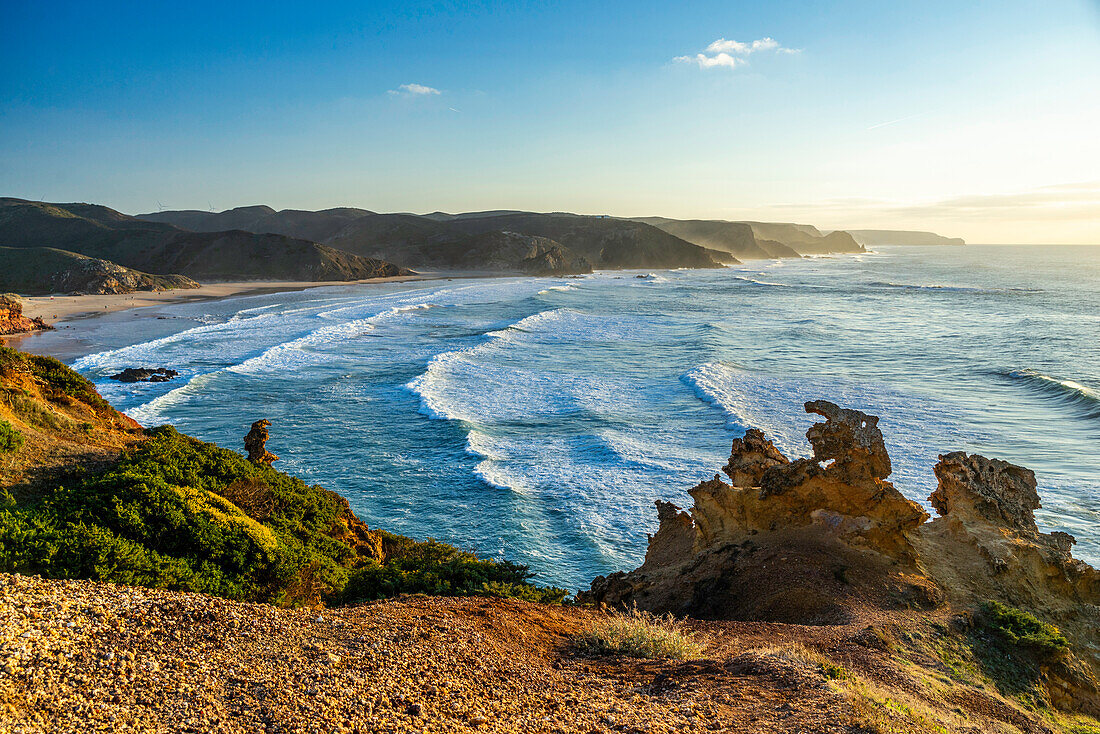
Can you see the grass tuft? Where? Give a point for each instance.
(639, 634)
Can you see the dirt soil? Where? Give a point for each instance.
(80, 656)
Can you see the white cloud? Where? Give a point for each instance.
(415, 90)
(709, 62)
(732, 54)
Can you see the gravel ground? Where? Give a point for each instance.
(82, 657)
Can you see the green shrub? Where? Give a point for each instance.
(166, 515)
(10, 438)
(1019, 629)
(436, 568)
(639, 634)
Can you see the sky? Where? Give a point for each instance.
(974, 119)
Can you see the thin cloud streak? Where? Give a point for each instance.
(895, 122)
(414, 90)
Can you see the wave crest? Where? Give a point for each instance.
(1070, 393)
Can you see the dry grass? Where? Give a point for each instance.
(640, 635)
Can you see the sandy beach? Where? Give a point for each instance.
(60, 308)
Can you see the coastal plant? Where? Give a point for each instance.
(435, 568)
(1012, 647)
(639, 634)
(1021, 630)
(10, 438)
(59, 381)
(883, 711)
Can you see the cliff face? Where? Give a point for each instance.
(805, 238)
(827, 540)
(12, 320)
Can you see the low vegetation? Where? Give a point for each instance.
(1019, 630)
(639, 634)
(164, 517)
(10, 438)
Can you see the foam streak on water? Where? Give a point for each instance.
(539, 419)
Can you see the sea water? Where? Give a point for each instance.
(538, 419)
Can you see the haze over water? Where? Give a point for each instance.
(538, 419)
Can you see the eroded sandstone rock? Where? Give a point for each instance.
(827, 540)
(988, 505)
(849, 438)
(779, 541)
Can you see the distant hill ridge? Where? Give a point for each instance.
(435, 240)
(348, 243)
(439, 239)
(879, 237)
(161, 248)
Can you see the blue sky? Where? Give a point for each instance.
(975, 119)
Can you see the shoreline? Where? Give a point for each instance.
(60, 309)
(78, 320)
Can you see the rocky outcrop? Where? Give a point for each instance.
(255, 444)
(45, 270)
(12, 320)
(553, 260)
(988, 522)
(827, 540)
(805, 540)
(145, 374)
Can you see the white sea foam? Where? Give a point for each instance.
(738, 394)
(154, 411)
(756, 281)
(311, 348)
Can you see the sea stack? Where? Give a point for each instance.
(254, 444)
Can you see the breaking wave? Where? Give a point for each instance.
(947, 288)
(309, 349)
(1069, 393)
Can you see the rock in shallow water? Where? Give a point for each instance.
(145, 374)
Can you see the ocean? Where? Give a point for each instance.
(537, 419)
